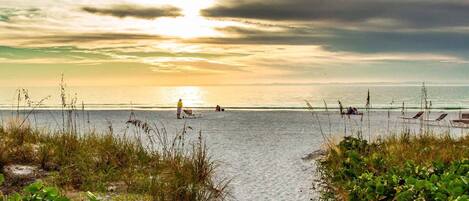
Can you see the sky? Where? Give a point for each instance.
(224, 42)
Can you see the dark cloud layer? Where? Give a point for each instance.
(416, 13)
(352, 41)
(122, 11)
(369, 42)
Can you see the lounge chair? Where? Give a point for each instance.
(464, 119)
(351, 111)
(351, 114)
(418, 115)
(462, 122)
(441, 117)
(188, 113)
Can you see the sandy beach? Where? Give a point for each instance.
(260, 151)
(91, 94)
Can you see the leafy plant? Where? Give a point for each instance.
(2, 179)
(358, 170)
(91, 196)
(37, 191)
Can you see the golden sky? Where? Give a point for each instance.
(208, 42)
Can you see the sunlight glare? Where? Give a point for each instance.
(189, 25)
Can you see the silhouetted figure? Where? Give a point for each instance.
(218, 108)
(179, 109)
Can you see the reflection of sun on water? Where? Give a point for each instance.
(191, 96)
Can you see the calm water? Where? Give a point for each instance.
(266, 96)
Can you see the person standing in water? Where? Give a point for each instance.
(179, 109)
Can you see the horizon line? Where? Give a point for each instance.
(419, 83)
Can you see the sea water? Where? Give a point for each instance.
(248, 96)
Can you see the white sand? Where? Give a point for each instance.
(261, 151)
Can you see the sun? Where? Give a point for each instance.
(186, 27)
(189, 25)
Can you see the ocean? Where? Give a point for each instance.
(247, 96)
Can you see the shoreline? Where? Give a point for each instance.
(300, 109)
(251, 144)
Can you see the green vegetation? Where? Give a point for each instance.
(141, 163)
(400, 167)
(162, 168)
(38, 192)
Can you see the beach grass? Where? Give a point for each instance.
(100, 162)
(143, 162)
(405, 166)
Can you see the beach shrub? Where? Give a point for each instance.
(37, 191)
(355, 169)
(33, 192)
(104, 162)
(144, 160)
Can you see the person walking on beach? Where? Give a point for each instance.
(179, 109)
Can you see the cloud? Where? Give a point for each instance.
(380, 41)
(362, 41)
(94, 37)
(52, 55)
(87, 39)
(249, 35)
(416, 13)
(249, 38)
(135, 11)
(188, 64)
(165, 61)
(7, 14)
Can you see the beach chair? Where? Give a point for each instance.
(350, 113)
(353, 114)
(462, 121)
(441, 117)
(189, 114)
(437, 120)
(418, 115)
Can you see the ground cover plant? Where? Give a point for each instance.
(400, 167)
(99, 161)
(38, 192)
